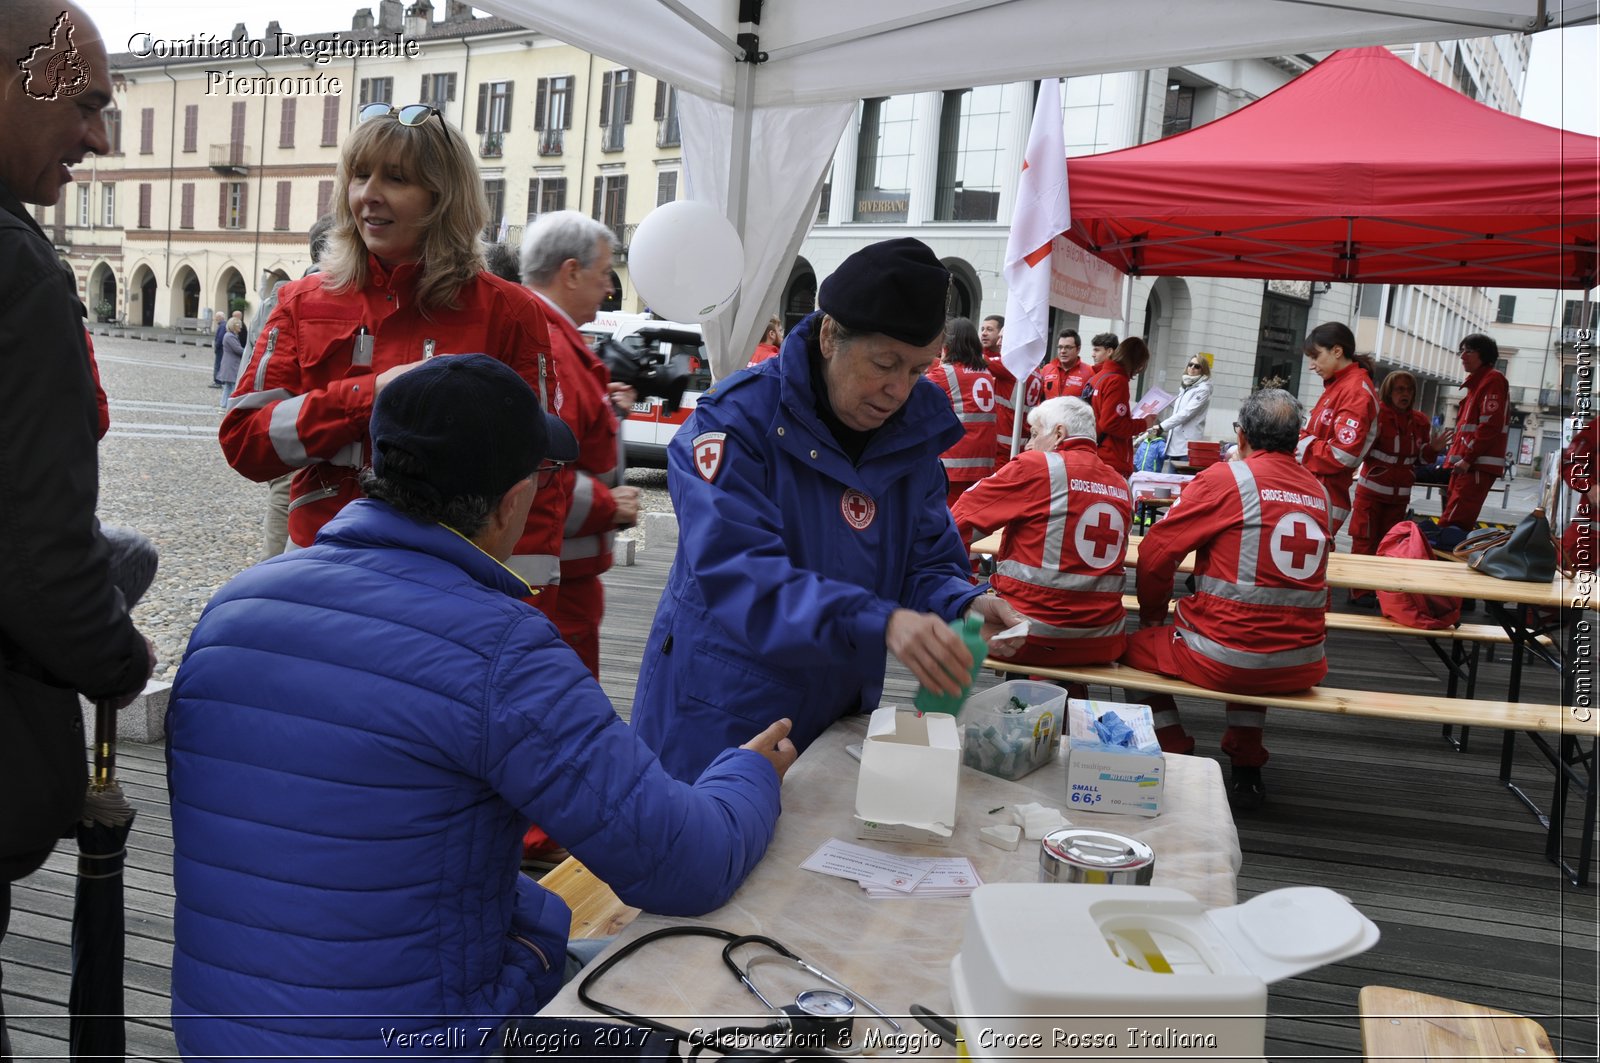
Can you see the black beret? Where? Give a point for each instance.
(896, 287)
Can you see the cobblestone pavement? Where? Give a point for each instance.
(162, 472)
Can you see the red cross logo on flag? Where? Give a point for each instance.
(1297, 545)
(858, 509)
(983, 393)
(1099, 534)
(1034, 390)
(707, 449)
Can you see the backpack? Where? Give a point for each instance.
(1429, 611)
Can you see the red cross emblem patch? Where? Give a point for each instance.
(983, 394)
(858, 509)
(1034, 391)
(707, 449)
(1122, 409)
(1491, 404)
(1347, 434)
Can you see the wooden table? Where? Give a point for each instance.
(894, 952)
(1551, 622)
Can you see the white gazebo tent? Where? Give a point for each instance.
(769, 84)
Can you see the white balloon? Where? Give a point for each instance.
(686, 260)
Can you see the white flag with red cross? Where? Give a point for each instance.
(1041, 213)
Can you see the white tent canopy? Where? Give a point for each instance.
(758, 135)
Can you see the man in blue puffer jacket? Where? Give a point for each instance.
(361, 731)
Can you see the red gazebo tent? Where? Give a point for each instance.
(1363, 170)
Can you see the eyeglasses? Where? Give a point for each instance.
(1196, 365)
(412, 114)
(547, 471)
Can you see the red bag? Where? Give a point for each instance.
(1429, 611)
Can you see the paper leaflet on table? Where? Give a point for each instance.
(886, 875)
(1153, 401)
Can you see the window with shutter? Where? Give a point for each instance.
(222, 205)
(186, 206)
(627, 79)
(286, 124)
(330, 121)
(541, 100)
(113, 121)
(144, 205)
(661, 100)
(191, 127)
(281, 213)
(605, 98)
(85, 212)
(108, 204)
(483, 106)
(147, 131)
(324, 198)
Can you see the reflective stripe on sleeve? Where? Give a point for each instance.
(582, 503)
(1284, 596)
(536, 570)
(256, 399)
(1037, 629)
(284, 431)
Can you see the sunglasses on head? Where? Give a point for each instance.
(412, 114)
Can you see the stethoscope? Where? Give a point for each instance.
(821, 1020)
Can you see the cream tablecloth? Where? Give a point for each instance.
(895, 952)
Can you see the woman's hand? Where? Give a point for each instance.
(935, 654)
(998, 616)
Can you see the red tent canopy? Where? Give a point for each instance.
(1362, 169)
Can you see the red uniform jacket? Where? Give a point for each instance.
(1107, 392)
(304, 400)
(589, 528)
(764, 351)
(1066, 516)
(1338, 435)
(102, 408)
(1390, 467)
(1481, 422)
(971, 394)
(1068, 382)
(1259, 528)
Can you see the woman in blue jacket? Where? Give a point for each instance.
(813, 531)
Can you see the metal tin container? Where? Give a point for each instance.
(1095, 856)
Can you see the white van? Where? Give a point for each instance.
(646, 433)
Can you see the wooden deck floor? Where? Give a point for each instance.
(1423, 839)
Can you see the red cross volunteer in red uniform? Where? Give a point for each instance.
(1107, 391)
(1383, 488)
(1066, 373)
(1259, 528)
(1478, 451)
(964, 378)
(566, 260)
(1344, 421)
(1065, 515)
(403, 282)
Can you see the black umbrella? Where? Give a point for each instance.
(95, 1003)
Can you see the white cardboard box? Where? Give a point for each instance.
(1103, 778)
(910, 770)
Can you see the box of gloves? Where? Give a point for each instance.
(1114, 763)
(910, 770)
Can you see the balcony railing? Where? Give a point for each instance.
(230, 158)
(611, 136)
(551, 141)
(624, 236)
(491, 145)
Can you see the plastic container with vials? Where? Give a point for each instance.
(1013, 728)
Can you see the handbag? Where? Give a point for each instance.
(1526, 552)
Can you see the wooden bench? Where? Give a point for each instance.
(1464, 712)
(1400, 1026)
(596, 911)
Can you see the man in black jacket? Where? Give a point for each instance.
(64, 628)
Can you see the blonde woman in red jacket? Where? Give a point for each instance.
(403, 281)
(1343, 423)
